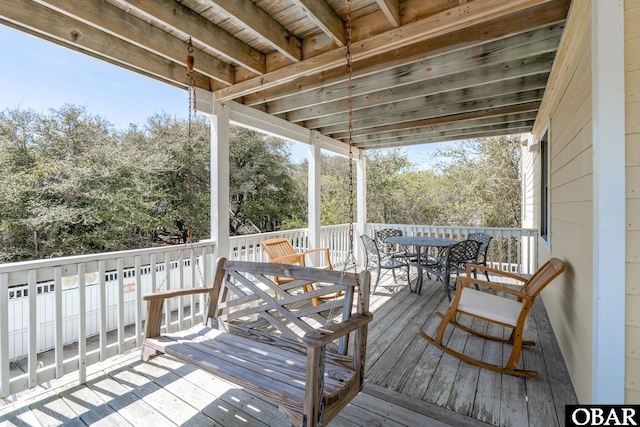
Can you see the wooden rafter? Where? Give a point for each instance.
(110, 19)
(72, 33)
(471, 37)
(391, 9)
(442, 23)
(202, 31)
(421, 71)
(256, 21)
(325, 18)
(501, 61)
(490, 111)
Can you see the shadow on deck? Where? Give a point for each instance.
(408, 382)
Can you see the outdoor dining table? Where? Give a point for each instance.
(419, 242)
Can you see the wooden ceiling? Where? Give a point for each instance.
(423, 70)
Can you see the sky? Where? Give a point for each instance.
(39, 75)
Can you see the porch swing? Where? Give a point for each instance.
(271, 339)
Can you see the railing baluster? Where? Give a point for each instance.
(120, 294)
(181, 298)
(4, 335)
(82, 325)
(193, 282)
(138, 302)
(102, 295)
(58, 348)
(32, 361)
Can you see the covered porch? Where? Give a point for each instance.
(93, 367)
(423, 72)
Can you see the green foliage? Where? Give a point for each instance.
(476, 183)
(261, 183)
(72, 184)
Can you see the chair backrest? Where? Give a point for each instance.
(382, 235)
(541, 278)
(465, 251)
(371, 248)
(277, 248)
(484, 240)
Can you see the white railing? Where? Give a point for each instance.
(334, 237)
(511, 249)
(46, 304)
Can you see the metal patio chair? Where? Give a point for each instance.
(453, 261)
(484, 240)
(381, 260)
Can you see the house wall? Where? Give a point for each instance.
(566, 110)
(632, 107)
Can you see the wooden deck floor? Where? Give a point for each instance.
(409, 383)
(399, 360)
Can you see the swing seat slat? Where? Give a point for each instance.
(273, 341)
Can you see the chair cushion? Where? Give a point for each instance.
(489, 306)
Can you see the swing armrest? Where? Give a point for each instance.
(320, 338)
(171, 293)
(155, 301)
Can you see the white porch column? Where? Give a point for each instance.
(607, 55)
(361, 190)
(220, 135)
(314, 204)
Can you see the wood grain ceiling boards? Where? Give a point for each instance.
(423, 71)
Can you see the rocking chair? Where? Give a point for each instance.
(501, 310)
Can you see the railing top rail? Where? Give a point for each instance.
(55, 262)
(496, 230)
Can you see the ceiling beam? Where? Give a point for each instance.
(537, 67)
(465, 95)
(257, 22)
(456, 18)
(325, 18)
(66, 31)
(459, 133)
(543, 16)
(519, 55)
(204, 32)
(435, 110)
(119, 23)
(391, 9)
(445, 138)
(432, 121)
(464, 124)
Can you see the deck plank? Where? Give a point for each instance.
(466, 381)
(486, 406)
(562, 390)
(91, 409)
(406, 350)
(540, 404)
(120, 398)
(221, 401)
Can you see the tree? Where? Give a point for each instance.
(386, 190)
(261, 184)
(482, 181)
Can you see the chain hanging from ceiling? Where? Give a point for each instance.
(191, 81)
(349, 71)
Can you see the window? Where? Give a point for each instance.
(544, 187)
